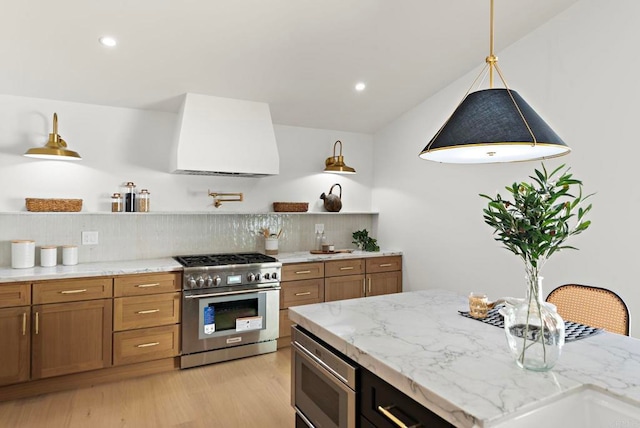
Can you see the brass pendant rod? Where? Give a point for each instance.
(492, 58)
(55, 123)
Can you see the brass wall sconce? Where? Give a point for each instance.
(335, 164)
(56, 147)
(219, 198)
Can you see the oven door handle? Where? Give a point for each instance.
(227, 293)
(319, 364)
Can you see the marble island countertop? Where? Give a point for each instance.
(461, 368)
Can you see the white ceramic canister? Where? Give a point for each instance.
(48, 256)
(69, 255)
(23, 254)
(271, 245)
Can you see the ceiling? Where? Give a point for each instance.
(303, 57)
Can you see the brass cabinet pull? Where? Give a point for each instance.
(37, 323)
(306, 293)
(386, 411)
(364, 285)
(82, 290)
(385, 265)
(300, 272)
(369, 285)
(346, 268)
(146, 345)
(148, 311)
(24, 323)
(155, 284)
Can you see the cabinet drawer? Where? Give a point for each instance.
(146, 311)
(18, 294)
(381, 402)
(384, 264)
(72, 290)
(297, 271)
(135, 285)
(301, 292)
(344, 267)
(146, 344)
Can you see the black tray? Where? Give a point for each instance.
(572, 331)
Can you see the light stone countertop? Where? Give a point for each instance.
(461, 368)
(8, 275)
(306, 256)
(168, 264)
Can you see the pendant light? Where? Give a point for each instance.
(493, 126)
(56, 147)
(335, 164)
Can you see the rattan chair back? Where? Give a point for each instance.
(592, 306)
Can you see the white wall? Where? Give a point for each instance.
(580, 72)
(119, 145)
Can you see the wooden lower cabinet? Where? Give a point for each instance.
(384, 283)
(63, 334)
(15, 344)
(302, 284)
(71, 337)
(344, 287)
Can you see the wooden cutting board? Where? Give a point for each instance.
(330, 252)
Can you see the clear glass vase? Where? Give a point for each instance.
(534, 330)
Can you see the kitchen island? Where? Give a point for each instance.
(461, 368)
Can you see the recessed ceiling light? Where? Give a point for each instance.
(107, 41)
(360, 86)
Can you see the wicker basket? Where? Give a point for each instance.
(53, 205)
(290, 207)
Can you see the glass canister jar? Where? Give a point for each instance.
(130, 197)
(143, 201)
(116, 203)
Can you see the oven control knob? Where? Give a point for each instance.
(200, 281)
(258, 277)
(274, 275)
(209, 281)
(266, 275)
(251, 277)
(191, 282)
(216, 280)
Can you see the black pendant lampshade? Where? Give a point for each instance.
(491, 126)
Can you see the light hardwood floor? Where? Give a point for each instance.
(251, 392)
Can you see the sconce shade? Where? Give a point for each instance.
(55, 149)
(490, 126)
(335, 164)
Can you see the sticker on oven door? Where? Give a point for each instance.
(248, 323)
(209, 320)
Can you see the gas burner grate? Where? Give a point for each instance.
(223, 259)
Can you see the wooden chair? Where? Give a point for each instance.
(592, 306)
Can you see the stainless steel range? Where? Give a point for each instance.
(230, 306)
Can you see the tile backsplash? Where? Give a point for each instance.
(128, 236)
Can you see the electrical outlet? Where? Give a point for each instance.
(89, 238)
(319, 228)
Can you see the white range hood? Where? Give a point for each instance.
(224, 136)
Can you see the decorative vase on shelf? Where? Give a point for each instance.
(534, 330)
